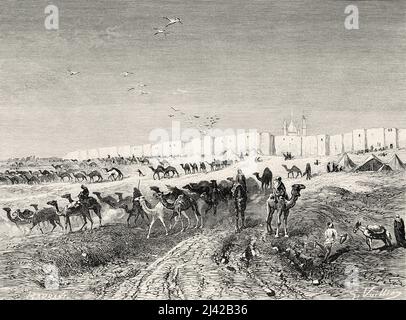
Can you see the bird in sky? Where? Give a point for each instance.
(197, 117)
(174, 109)
(172, 21)
(126, 73)
(130, 89)
(73, 73)
(171, 116)
(160, 31)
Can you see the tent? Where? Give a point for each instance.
(345, 162)
(396, 164)
(372, 163)
(385, 167)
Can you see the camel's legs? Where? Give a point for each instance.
(163, 223)
(187, 218)
(52, 222)
(84, 224)
(278, 226)
(150, 227)
(59, 224)
(285, 223)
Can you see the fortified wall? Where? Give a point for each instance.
(298, 143)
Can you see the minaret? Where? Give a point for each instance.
(285, 128)
(304, 126)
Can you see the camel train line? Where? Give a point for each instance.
(92, 171)
(200, 198)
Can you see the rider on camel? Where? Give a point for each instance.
(279, 190)
(240, 179)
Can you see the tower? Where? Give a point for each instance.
(285, 128)
(304, 126)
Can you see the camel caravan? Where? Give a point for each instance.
(101, 170)
(199, 198)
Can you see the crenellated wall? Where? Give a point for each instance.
(254, 143)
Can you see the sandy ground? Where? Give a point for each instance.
(184, 266)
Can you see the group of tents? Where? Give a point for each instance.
(372, 163)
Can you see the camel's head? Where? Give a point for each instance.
(66, 196)
(34, 205)
(118, 193)
(96, 193)
(296, 189)
(187, 187)
(356, 227)
(7, 209)
(53, 203)
(155, 189)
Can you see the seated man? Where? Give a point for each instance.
(240, 179)
(279, 190)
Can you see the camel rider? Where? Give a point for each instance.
(279, 190)
(84, 195)
(240, 179)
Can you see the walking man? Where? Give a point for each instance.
(399, 230)
(330, 236)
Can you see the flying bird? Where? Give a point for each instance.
(174, 109)
(126, 73)
(73, 73)
(160, 31)
(172, 21)
(171, 116)
(130, 89)
(196, 116)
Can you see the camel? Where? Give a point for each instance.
(172, 170)
(292, 170)
(194, 167)
(179, 208)
(111, 201)
(15, 218)
(186, 168)
(63, 175)
(266, 179)
(282, 207)
(202, 167)
(57, 166)
(79, 177)
(94, 174)
(204, 203)
(46, 214)
(75, 209)
(157, 171)
(71, 210)
(240, 204)
(158, 212)
(373, 232)
(123, 201)
(118, 174)
(133, 212)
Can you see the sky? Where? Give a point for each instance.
(249, 62)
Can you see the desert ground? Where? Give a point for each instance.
(115, 261)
